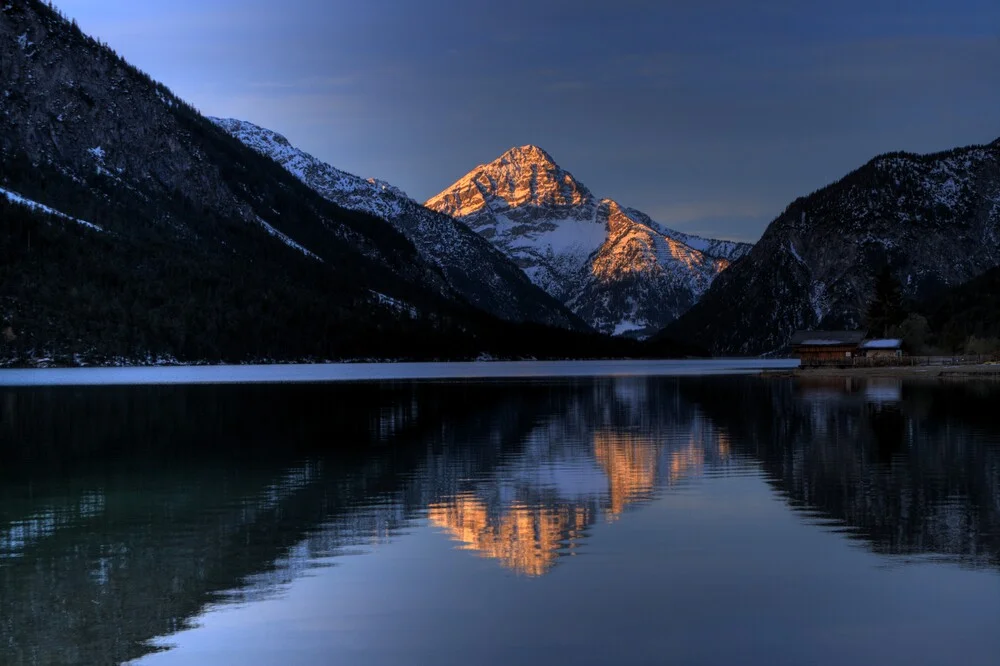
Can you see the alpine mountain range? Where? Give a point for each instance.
(135, 230)
(613, 267)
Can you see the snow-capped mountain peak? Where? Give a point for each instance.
(612, 265)
(472, 267)
(526, 175)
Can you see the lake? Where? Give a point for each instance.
(341, 372)
(671, 518)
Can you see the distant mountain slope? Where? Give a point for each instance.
(934, 219)
(613, 266)
(83, 126)
(471, 266)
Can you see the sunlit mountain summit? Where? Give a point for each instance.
(614, 266)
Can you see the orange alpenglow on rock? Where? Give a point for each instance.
(613, 266)
(526, 539)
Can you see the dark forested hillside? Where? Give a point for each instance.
(146, 302)
(933, 220)
(155, 234)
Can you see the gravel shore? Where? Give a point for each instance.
(923, 371)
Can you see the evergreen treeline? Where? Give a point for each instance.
(961, 320)
(73, 295)
(967, 318)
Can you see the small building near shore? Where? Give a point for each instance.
(882, 348)
(821, 347)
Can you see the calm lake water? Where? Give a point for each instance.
(576, 520)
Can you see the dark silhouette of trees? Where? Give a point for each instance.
(966, 318)
(885, 309)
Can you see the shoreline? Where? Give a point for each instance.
(350, 372)
(903, 371)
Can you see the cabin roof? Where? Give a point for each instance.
(882, 343)
(827, 338)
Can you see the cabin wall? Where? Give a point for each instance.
(883, 353)
(826, 353)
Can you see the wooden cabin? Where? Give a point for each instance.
(826, 347)
(882, 348)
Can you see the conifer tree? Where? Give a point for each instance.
(885, 309)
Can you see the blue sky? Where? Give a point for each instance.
(709, 115)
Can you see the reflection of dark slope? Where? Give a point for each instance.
(138, 507)
(152, 425)
(911, 476)
(159, 547)
(91, 591)
(189, 506)
(503, 515)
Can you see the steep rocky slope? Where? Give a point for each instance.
(934, 219)
(471, 266)
(614, 266)
(135, 231)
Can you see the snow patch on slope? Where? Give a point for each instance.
(284, 238)
(795, 253)
(394, 303)
(627, 326)
(818, 300)
(16, 198)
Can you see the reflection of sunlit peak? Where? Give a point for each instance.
(634, 462)
(527, 539)
(723, 445)
(630, 462)
(687, 461)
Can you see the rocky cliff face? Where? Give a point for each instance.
(83, 126)
(934, 219)
(613, 266)
(473, 268)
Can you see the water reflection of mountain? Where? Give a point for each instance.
(525, 538)
(608, 445)
(124, 519)
(121, 520)
(907, 468)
